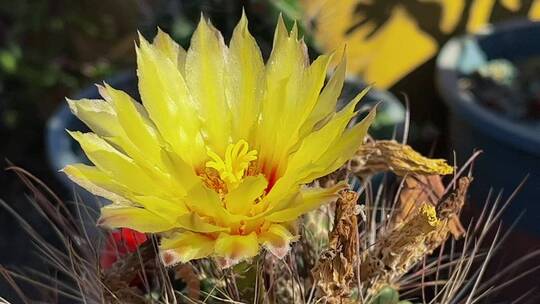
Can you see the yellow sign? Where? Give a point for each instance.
(387, 39)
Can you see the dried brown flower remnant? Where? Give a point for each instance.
(388, 155)
(418, 189)
(335, 270)
(398, 251)
(394, 254)
(448, 211)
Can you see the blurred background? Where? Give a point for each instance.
(469, 70)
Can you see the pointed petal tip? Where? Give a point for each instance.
(280, 25)
(144, 44)
(103, 91)
(108, 88)
(243, 22)
(373, 110)
(162, 37)
(141, 37)
(72, 106)
(343, 49)
(343, 52)
(74, 134)
(359, 97)
(294, 33)
(202, 21)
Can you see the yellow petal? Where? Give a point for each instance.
(193, 222)
(170, 49)
(278, 197)
(96, 182)
(235, 248)
(310, 88)
(97, 114)
(136, 125)
(277, 240)
(115, 164)
(169, 104)
(167, 208)
(306, 162)
(205, 202)
(139, 219)
(284, 73)
(287, 54)
(205, 77)
(244, 81)
(241, 199)
(182, 172)
(184, 247)
(326, 104)
(343, 150)
(308, 200)
(301, 97)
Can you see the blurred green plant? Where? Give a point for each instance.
(49, 49)
(180, 17)
(388, 295)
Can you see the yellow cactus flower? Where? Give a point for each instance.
(216, 159)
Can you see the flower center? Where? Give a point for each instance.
(232, 167)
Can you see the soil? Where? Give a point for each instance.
(511, 89)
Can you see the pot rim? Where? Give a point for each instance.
(467, 107)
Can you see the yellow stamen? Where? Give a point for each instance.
(237, 159)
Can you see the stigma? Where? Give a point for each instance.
(232, 167)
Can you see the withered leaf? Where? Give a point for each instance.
(335, 269)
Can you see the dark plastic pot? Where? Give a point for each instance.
(511, 149)
(63, 150)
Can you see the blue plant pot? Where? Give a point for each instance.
(511, 148)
